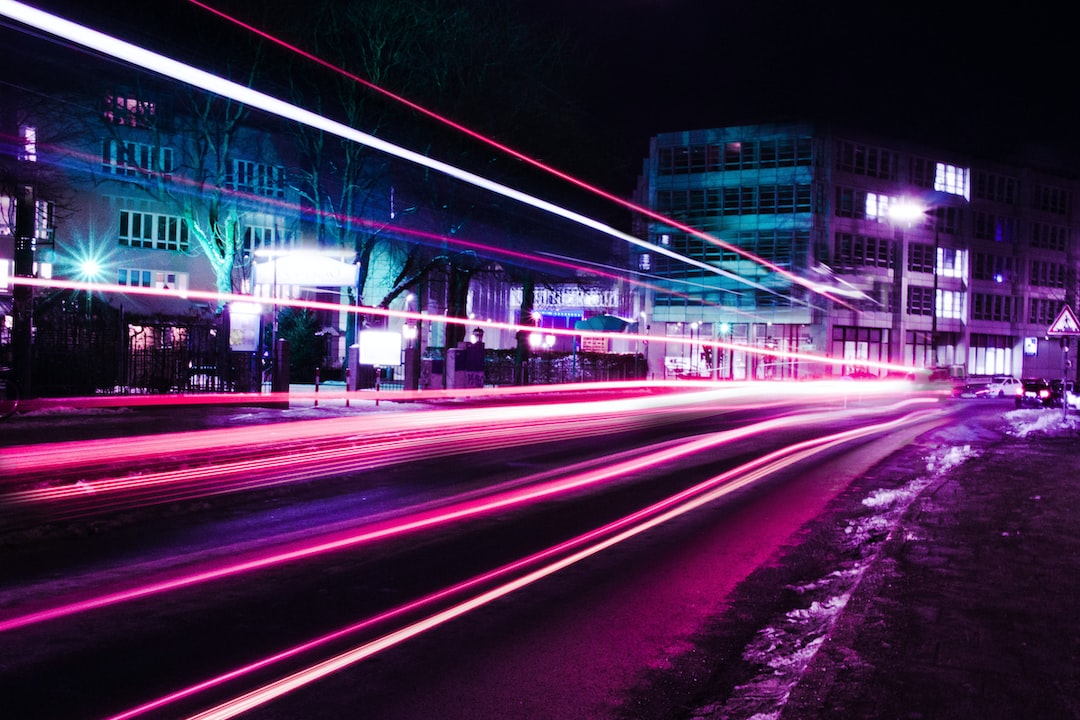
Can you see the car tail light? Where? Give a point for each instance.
(1044, 393)
(1020, 390)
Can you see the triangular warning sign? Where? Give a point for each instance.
(1065, 323)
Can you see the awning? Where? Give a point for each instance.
(602, 323)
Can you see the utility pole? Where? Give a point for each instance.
(23, 295)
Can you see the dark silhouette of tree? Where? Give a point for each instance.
(473, 61)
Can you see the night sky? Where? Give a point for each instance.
(993, 83)
(984, 81)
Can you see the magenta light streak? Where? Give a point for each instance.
(601, 538)
(532, 161)
(514, 327)
(167, 67)
(407, 524)
(454, 512)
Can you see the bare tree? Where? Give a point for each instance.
(471, 61)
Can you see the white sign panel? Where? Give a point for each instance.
(304, 269)
(379, 347)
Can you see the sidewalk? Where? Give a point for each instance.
(945, 584)
(972, 609)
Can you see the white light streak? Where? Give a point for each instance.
(140, 57)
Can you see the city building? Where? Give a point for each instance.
(864, 249)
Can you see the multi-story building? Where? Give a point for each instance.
(855, 248)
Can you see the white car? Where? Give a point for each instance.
(1000, 386)
(1072, 398)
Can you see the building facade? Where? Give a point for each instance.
(865, 250)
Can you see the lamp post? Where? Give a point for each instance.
(903, 214)
(933, 318)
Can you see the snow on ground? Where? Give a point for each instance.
(783, 650)
(1049, 422)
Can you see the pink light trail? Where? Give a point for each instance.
(558, 558)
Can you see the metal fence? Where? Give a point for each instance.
(83, 346)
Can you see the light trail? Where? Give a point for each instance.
(187, 186)
(455, 511)
(558, 557)
(812, 286)
(217, 297)
(167, 67)
(658, 397)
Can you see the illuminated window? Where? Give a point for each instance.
(28, 150)
(129, 112)
(43, 219)
(153, 230)
(645, 262)
(160, 279)
(258, 238)
(951, 262)
(7, 215)
(950, 304)
(953, 180)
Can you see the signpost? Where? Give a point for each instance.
(1065, 325)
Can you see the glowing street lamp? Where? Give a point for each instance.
(907, 212)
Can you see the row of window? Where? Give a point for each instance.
(740, 155)
(156, 231)
(160, 279)
(878, 162)
(134, 159)
(750, 200)
(984, 306)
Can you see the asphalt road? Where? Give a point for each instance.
(572, 645)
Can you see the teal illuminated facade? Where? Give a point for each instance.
(971, 283)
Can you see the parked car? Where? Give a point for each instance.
(972, 390)
(1061, 393)
(1036, 393)
(1000, 386)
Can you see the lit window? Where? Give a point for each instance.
(28, 135)
(953, 180)
(129, 111)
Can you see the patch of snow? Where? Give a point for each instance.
(1049, 422)
(782, 651)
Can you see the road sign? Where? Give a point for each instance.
(1065, 323)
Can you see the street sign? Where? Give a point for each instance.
(1065, 323)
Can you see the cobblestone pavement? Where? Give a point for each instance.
(944, 584)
